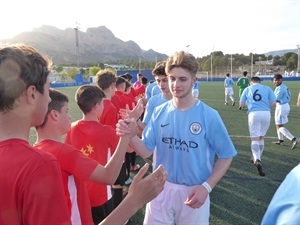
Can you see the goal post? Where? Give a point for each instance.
(203, 75)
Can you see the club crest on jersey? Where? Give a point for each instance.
(196, 128)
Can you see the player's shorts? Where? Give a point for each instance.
(259, 123)
(168, 207)
(229, 91)
(282, 113)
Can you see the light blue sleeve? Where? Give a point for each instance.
(155, 90)
(148, 110)
(148, 90)
(284, 207)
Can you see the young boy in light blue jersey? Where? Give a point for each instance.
(228, 85)
(282, 111)
(156, 100)
(185, 135)
(196, 89)
(259, 99)
(151, 90)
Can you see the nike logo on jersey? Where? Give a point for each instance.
(163, 125)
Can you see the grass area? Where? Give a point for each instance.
(242, 196)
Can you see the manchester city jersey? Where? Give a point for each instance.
(282, 94)
(186, 142)
(258, 97)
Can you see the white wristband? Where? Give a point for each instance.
(207, 186)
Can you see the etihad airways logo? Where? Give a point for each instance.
(179, 144)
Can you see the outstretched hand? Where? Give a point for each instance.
(143, 190)
(135, 113)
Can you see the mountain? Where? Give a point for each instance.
(97, 44)
(281, 52)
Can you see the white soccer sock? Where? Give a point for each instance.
(261, 146)
(279, 135)
(255, 150)
(286, 133)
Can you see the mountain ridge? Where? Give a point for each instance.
(97, 44)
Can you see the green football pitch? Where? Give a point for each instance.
(242, 196)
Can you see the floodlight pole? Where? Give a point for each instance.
(139, 64)
(231, 65)
(77, 42)
(298, 67)
(211, 65)
(251, 73)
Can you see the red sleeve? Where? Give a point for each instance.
(76, 163)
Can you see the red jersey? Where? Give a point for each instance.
(31, 186)
(116, 100)
(110, 115)
(128, 99)
(98, 142)
(132, 92)
(140, 91)
(76, 169)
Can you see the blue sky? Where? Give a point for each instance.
(230, 26)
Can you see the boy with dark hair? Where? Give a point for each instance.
(140, 91)
(243, 82)
(30, 180)
(259, 99)
(282, 111)
(106, 80)
(120, 89)
(138, 82)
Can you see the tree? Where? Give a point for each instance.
(69, 74)
(292, 62)
(94, 70)
(59, 68)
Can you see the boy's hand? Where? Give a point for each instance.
(126, 127)
(143, 190)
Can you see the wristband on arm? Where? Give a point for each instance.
(207, 186)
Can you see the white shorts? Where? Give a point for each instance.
(259, 123)
(282, 113)
(168, 208)
(229, 91)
